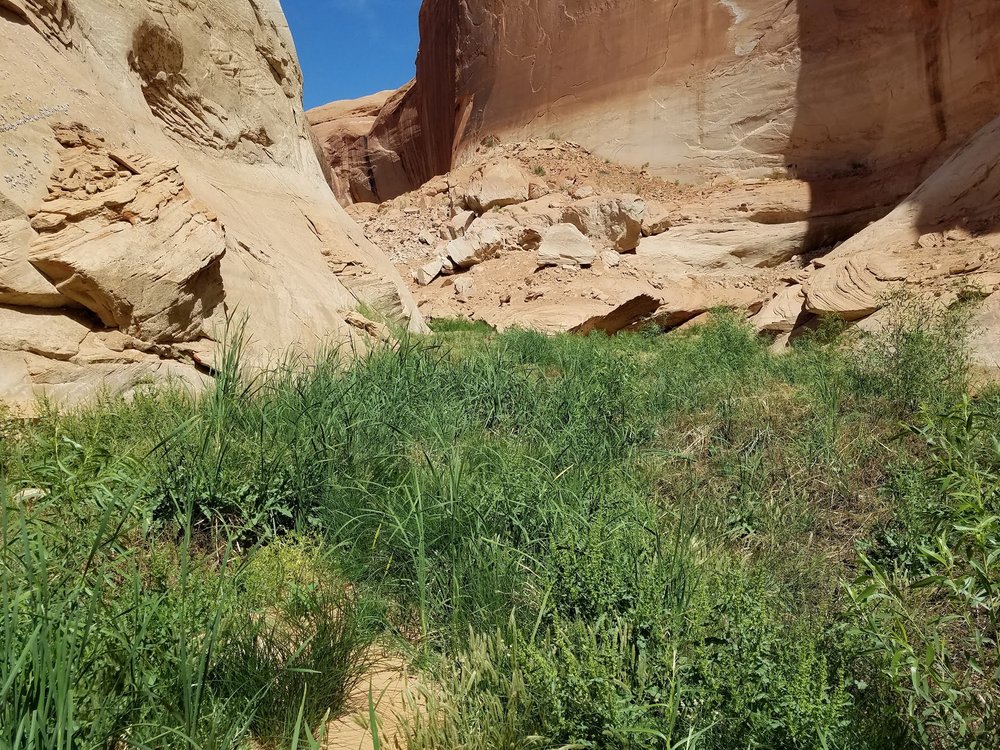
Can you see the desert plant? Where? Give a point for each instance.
(935, 624)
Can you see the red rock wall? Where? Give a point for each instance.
(860, 97)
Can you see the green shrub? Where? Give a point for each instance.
(934, 622)
(919, 356)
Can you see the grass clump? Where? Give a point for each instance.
(637, 542)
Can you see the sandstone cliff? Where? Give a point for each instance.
(158, 178)
(862, 99)
(336, 127)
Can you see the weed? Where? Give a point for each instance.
(629, 542)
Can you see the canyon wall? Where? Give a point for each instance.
(157, 182)
(861, 98)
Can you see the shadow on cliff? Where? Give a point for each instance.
(883, 98)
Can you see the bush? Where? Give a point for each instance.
(934, 622)
(919, 357)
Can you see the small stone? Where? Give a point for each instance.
(44, 221)
(428, 272)
(30, 495)
(463, 287)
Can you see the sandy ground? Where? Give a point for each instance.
(386, 686)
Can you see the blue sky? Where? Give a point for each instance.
(349, 48)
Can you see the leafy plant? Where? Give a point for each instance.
(936, 633)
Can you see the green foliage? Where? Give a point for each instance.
(458, 325)
(112, 632)
(629, 542)
(935, 622)
(919, 357)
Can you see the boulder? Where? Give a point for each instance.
(784, 312)
(611, 259)
(462, 253)
(853, 287)
(706, 246)
(428, 272)
(615, 222)
(538, 189)
(564, 244)
(463, 288)
(656, 220)
(467, 252)
(484, 239)
(538, 214)
(497, 184)
(459, 223)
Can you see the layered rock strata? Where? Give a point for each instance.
(158, 180)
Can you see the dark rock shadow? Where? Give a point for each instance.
(886, 91)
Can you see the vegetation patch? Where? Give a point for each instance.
(676, 541)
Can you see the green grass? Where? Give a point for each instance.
(675, 541)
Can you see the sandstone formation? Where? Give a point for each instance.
(841, 148)
(157, 178)
(336, 126)
(947, 229)
(861, 99)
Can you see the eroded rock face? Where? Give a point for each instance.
(862, 99)
(157, 177)
(120, 235)
(336, 127)
(945, 233)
